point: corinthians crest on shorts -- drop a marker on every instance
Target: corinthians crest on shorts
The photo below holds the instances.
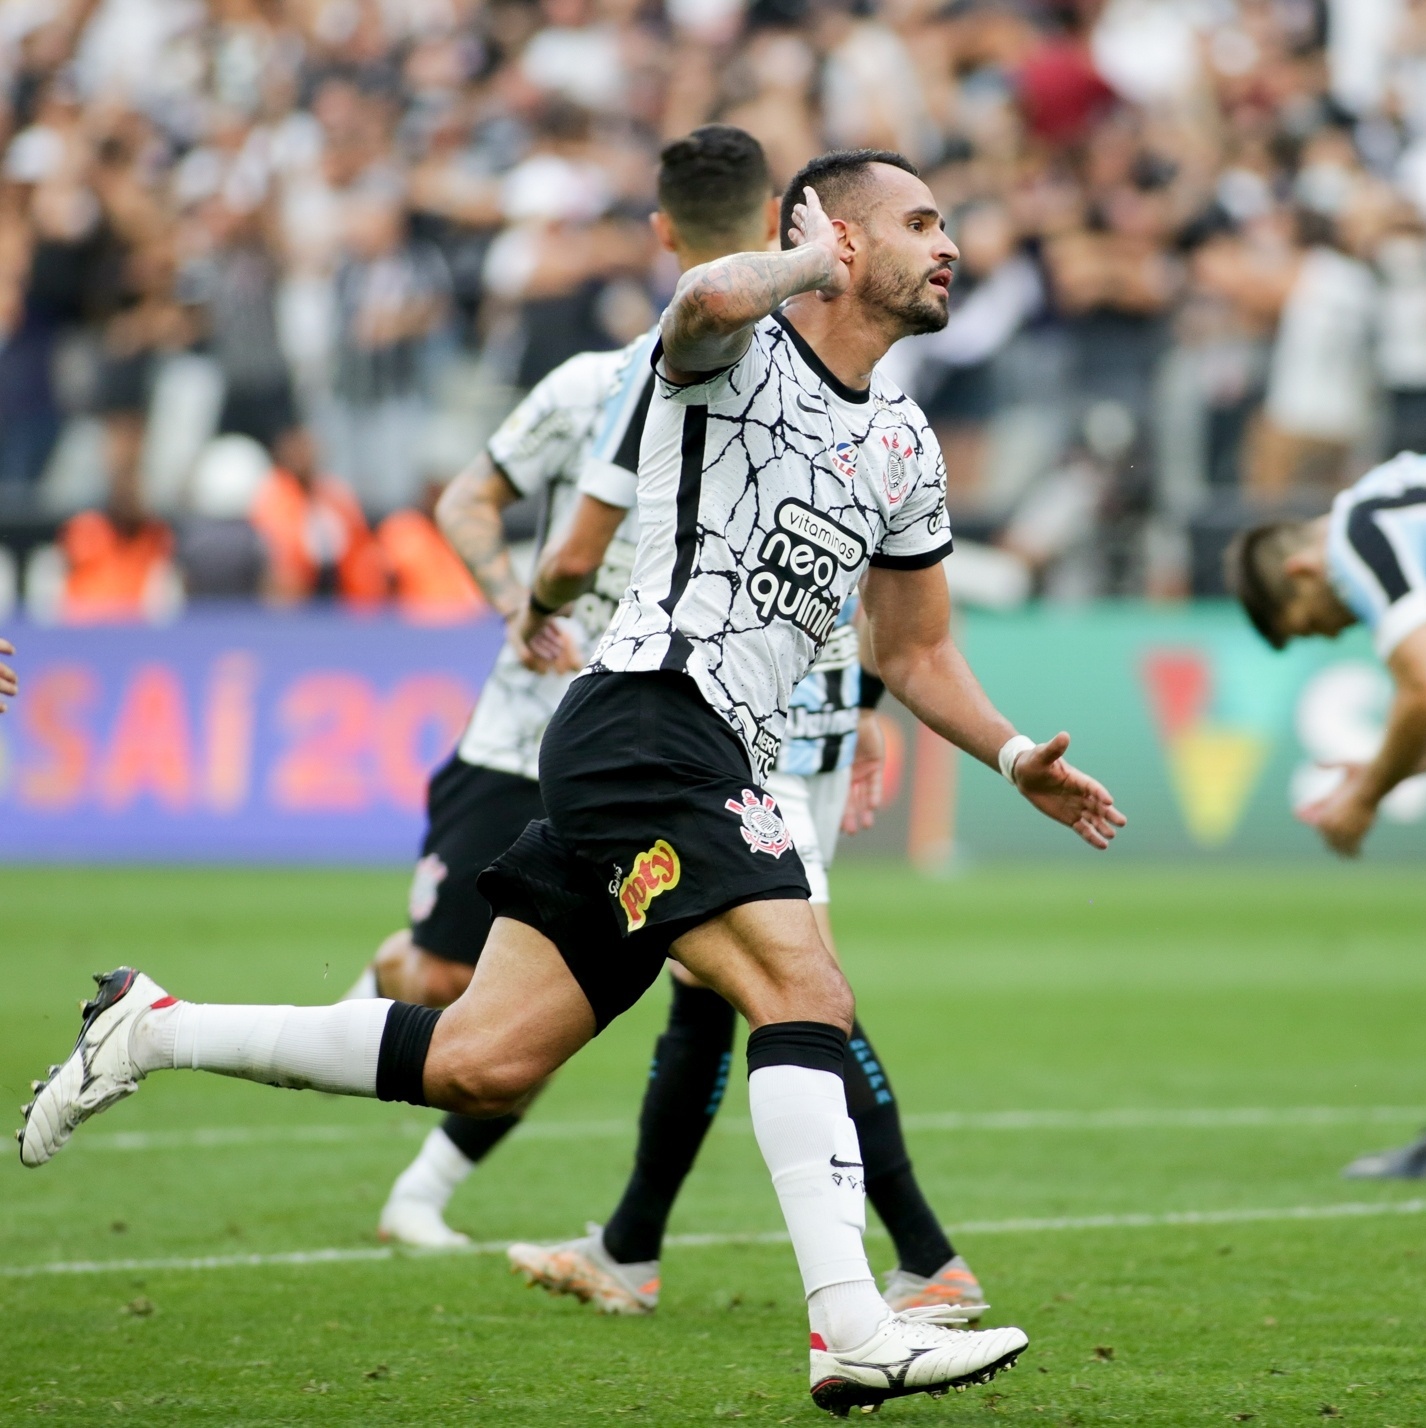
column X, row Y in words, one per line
column 763, row 829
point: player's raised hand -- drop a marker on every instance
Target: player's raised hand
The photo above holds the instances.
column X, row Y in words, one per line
column 9, row 681
column 1060, row 791
column 812, row 227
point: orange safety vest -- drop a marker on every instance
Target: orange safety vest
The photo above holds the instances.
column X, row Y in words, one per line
column 110, row 569
column 304, row 530
column 428, row 578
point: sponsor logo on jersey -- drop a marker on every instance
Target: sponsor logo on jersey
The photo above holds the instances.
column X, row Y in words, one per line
column 895, row 482
column 844, row 458
column 799, row 562
column 763, row 829
column 653, row 874
column 426, row 886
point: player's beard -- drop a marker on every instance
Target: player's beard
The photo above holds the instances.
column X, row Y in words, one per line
column 905, row 296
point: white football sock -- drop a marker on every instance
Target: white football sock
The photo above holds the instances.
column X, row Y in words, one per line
column 810, row 1146
column 435, row 1172
column 332, row 1048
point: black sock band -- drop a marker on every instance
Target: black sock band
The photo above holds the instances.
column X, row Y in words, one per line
column 474, row 1136
column 685, row 1088
column 817, row 1045
column 401, row 1062
column 891, row 1186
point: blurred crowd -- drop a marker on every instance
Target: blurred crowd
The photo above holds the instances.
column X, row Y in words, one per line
column 271, row 270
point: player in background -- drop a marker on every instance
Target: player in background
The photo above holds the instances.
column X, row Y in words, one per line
column 480, row 800
column 659, row 838
column 1364, row 562
column 714, row 199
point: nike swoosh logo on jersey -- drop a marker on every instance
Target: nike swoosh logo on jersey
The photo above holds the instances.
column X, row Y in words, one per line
column 846, row 1164
column 815, row 411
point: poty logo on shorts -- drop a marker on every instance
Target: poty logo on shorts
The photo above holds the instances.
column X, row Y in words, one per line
column 894, row 479
column 653, row 873
column 844, row 458
column 426, row 886
column 763, row 829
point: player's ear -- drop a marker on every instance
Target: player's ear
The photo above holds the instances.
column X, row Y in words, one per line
column 772, row 216
column 1301, row 562
column 664, row 230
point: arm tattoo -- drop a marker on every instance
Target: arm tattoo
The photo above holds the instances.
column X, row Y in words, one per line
column 706, row 325
column 469, row 519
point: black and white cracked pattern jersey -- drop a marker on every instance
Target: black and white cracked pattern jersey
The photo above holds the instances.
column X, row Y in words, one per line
column 543, row 448
column 764, row 492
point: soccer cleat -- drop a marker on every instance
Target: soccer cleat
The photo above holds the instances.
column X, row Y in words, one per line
column 409, row 1220
column 99, row 1072
column 1406, row 1163
column 952, row 1285
column 916, row 1351
column 584, row 1269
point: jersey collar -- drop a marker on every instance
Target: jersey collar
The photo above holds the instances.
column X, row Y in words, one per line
column 839, row 387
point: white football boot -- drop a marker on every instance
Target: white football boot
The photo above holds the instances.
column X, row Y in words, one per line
column 410, row 1220
column 584, row 1269
column 99, row 1073
column 917, row 1351
column 364, row 988
column 952, row 1285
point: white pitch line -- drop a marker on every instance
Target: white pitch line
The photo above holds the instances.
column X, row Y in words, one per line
column 1352, row 1210
column 1127, row 1118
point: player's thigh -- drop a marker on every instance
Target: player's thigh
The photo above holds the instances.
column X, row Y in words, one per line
column 521, row 1018
column 769, row 960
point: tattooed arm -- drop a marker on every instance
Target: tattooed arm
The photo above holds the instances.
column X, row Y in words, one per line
column 468, row 514
column 706, row 326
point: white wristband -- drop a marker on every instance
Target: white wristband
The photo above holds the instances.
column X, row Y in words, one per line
column 1011, row 750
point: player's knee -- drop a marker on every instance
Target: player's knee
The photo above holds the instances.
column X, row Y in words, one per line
column 495, row 1090
column 442, row 982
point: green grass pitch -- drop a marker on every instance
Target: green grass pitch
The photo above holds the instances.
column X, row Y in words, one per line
column 1263, row 1026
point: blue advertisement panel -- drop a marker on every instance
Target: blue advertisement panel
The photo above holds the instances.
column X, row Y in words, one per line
column 233, row 735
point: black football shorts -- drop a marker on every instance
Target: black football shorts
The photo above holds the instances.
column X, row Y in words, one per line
column 473, row 815
column 654, row 824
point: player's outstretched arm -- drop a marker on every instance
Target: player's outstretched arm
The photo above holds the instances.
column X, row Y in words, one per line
column 909, row 612
column 708, row 324
column 9, row 682
column 1346, row 815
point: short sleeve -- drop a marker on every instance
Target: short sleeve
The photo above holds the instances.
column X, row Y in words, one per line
column 919, row 532
column 713, row 388
column 541, row 436
column 1375, row 546
column 610, row 471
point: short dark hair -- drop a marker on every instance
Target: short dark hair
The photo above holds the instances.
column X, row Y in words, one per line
column 835, row 178
column 1254, row 570
column 713, row 181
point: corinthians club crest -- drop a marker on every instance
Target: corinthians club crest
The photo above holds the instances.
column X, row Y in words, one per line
column 894, row 478
column 763, row 829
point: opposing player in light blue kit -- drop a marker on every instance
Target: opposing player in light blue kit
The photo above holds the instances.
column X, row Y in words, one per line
column 1364, row 562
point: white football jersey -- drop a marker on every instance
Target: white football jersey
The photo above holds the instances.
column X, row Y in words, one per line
column 542, row 447
column 764, row 492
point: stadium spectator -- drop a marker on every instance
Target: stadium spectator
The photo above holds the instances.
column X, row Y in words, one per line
column 118, row 561
column 318, row 543
column 365, row 216
column 428, row 580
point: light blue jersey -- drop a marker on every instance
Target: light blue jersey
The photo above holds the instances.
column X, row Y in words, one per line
column 1376, row 549
column 821, row 732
